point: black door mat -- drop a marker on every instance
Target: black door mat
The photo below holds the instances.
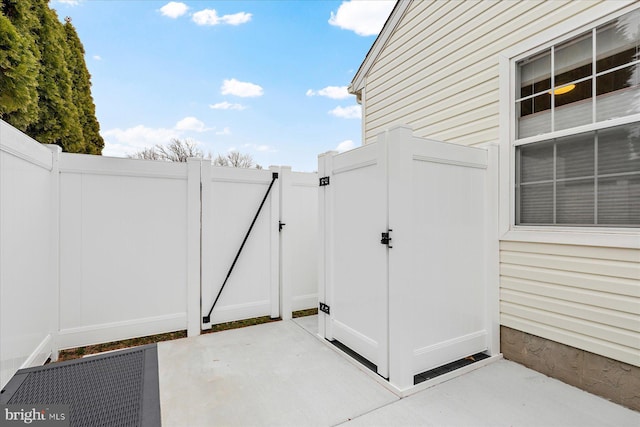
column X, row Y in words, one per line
column 114, row 389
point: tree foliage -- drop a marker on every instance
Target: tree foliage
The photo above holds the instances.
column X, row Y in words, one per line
column 44, row 82
column 19, row 64
column 81, row 94
column 58, row 121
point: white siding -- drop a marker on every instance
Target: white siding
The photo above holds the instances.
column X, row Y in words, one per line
column 438, row 72
column 586, row 297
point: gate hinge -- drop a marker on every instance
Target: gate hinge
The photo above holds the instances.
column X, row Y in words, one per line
column 324, row 181
column 324, row 308
column 386, row 238
column 281, row 225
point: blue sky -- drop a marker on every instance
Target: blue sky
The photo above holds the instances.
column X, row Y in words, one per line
column 266, row 78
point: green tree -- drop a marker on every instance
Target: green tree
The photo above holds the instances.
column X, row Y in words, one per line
column 81, row 91
column 58, row 120
column 19, row 63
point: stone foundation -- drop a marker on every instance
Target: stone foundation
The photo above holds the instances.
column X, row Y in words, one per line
column 613, row 380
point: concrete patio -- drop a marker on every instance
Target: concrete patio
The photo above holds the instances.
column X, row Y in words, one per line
column 282, row 374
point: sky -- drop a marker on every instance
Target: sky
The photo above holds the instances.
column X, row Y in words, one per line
column 267, row 78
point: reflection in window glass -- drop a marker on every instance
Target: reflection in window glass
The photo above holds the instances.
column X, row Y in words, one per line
column 618, row 93
column 617, row 42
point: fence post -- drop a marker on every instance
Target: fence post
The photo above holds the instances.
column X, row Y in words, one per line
column 401, row 280
column 194, row 254
column 54, row 226
column 274, row 217
column 492, row 249
column 325, row 243
column 286, row 290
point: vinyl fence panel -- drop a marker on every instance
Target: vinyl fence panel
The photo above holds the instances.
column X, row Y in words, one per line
column 123, row 248
column 28, row 258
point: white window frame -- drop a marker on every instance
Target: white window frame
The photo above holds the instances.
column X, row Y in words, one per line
column 509, row 231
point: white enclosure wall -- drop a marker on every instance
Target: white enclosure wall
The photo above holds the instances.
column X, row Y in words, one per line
column 28, row 259
column 123, row 248
column 430, row 297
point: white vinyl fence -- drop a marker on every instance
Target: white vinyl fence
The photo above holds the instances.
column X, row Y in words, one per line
column 408, row 271
column 28, row 239
column 96, row 249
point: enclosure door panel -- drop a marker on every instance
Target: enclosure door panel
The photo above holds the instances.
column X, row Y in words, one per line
column 359, row 283
column 448, row 260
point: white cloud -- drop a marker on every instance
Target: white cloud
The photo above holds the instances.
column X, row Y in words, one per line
column 345, row 146
column 333, row 92
column 237, row 18
column 225, row 131
column 227, row 106
column 365, row 18
column 351, row 112
column 261, row 148
column 97, row 57
column 69, row 2
column 122, row 142
column 191, row 124
column 242, row 89
column 211, row 17
column 174, row 9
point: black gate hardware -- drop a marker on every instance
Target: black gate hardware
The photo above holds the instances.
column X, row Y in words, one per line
column 207, row 318
column 281, row 225
column 324, row 181
column 324, row 308
column 386, row 238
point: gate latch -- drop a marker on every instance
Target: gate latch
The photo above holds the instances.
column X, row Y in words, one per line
column 386, row 239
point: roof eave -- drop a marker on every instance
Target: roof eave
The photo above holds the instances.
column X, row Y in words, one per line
column 357, row 84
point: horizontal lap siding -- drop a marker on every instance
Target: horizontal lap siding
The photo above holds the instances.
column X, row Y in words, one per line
column 439, row 70
column 586, row 297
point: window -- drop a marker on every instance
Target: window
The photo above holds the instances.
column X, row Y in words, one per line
column 581, row 178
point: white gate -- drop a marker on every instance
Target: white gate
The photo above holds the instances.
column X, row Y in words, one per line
column 354, row 215
column 230, row 201
column 422, row 298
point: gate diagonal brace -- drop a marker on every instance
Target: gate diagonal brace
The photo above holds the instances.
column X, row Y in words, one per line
column 207, row 318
